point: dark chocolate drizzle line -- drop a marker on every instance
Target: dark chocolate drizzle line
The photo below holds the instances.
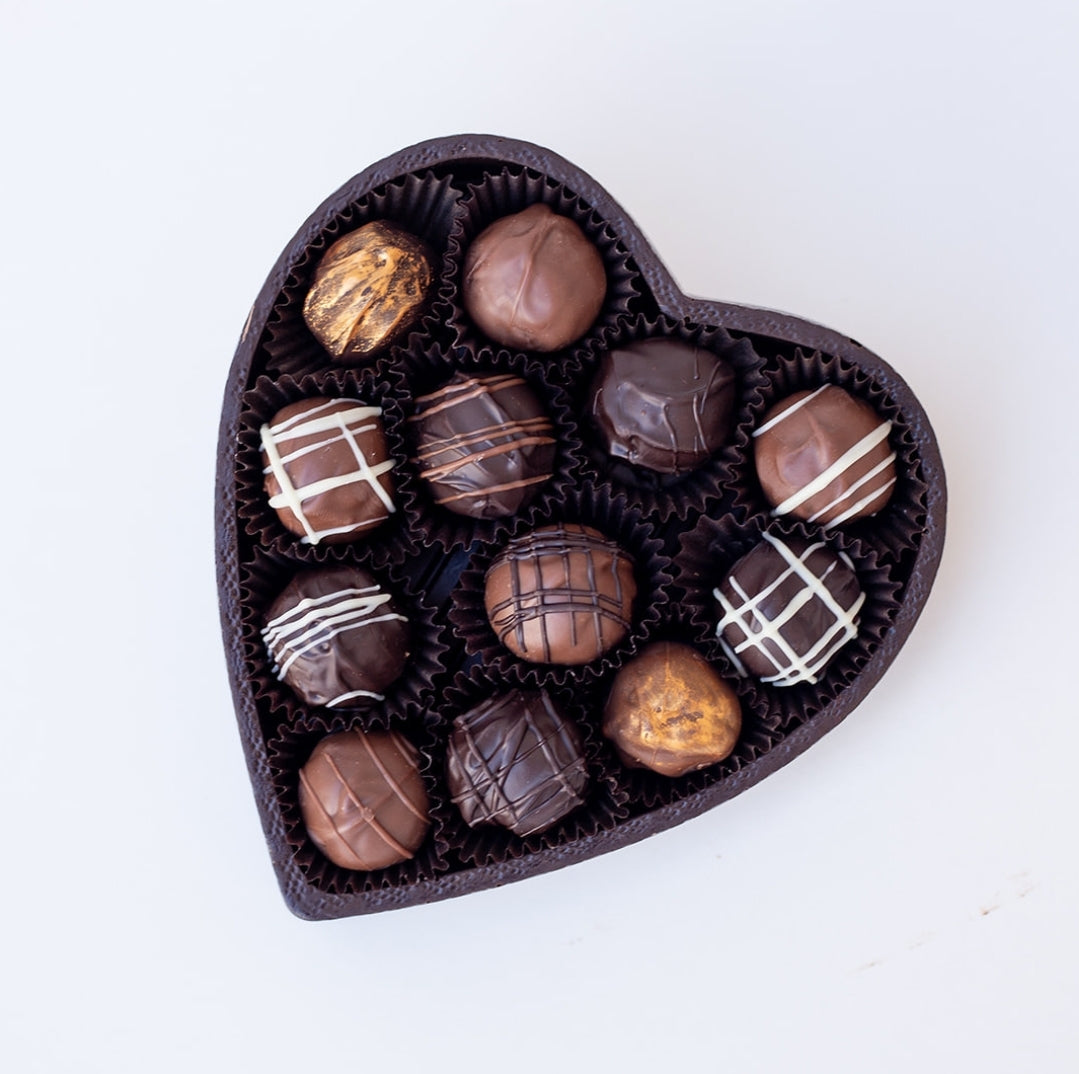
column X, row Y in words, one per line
column 489, row 784
column 533, row 547
column 559, row 772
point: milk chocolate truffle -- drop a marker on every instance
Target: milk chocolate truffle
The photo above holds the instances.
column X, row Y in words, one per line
column 663, row 404
column 786, row 609
column 670, row 712
column 369, row 289
column 336, row 637
column 327, row 470
column 824, row 456
column 516, row 760
column 362, row 799
column 483, row 444
column 562, row 594
column 534, row 280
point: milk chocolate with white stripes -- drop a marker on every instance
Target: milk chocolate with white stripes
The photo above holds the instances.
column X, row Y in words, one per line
column 824, row 456
column 327, row 469
column 483, row 444
column 363, row 800
column 336, row 637
column 517, row 761
column 786, row 608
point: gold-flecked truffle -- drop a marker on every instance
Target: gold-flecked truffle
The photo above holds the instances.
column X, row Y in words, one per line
column 669, row 711
column 369, row 289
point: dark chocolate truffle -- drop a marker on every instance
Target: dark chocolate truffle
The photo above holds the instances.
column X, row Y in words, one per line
column 669, row 711
column 327, row 469
column 534, row 280
column 369, row 289
column 516, row 760
column 824, row 456
column 786, row 608
column 562, row 594
column 336, row 637
column 483, row 444
column 363, row 800
column 663, row 404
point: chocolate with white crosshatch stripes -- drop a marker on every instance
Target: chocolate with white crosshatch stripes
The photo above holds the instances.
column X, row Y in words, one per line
column 786, row 608
column 327, row 469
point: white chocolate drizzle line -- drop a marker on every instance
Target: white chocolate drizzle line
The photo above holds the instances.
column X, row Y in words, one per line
column 791, row 667
column 327, row 616
column 864, row 502
column 840, row 466
column 341, row 698
column 310, row 423
column 789, row 411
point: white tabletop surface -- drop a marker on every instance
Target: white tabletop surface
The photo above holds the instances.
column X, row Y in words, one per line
column 901, row 897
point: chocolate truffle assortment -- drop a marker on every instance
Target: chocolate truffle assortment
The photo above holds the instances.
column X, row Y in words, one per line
column 523, row 562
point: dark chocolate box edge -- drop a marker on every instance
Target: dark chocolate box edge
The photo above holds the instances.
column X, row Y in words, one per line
column 309, row 903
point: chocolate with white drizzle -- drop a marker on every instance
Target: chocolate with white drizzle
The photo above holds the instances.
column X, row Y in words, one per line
column 327, row 469
column 336, row 637
column 823, row 456
column 484, row 444
column 786, row 608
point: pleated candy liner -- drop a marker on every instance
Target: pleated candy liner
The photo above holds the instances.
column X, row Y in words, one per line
column 512, row 190
column 422, row 204
column 604, row 806
column 896, row 530
column 263, row 579
column 426, row 370
column 676, row 496
column 289, row 751
column 377, row 386
column 612, row 515
column 713, row 546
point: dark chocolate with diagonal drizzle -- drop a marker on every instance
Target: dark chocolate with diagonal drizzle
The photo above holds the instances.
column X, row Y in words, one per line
column 483, row 444
column 517, row 761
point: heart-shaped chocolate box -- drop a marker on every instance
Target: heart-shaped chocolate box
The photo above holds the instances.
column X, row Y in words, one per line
column 682, row 533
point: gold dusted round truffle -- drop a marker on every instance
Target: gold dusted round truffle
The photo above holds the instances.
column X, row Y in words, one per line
column 369, row 289
column 669, row 711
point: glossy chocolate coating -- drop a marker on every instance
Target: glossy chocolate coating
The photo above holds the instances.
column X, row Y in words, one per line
column 562, row 594
column 336, row 637
column 327, row 470
column 669, row 711
column 517, row 761
column 369, row 289
column 534, row 280
column 663, row 404
column 824, row 456
column 786, row 608
column 362, row 799
column 483, row 444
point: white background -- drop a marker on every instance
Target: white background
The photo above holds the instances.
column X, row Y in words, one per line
column 902, row 897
